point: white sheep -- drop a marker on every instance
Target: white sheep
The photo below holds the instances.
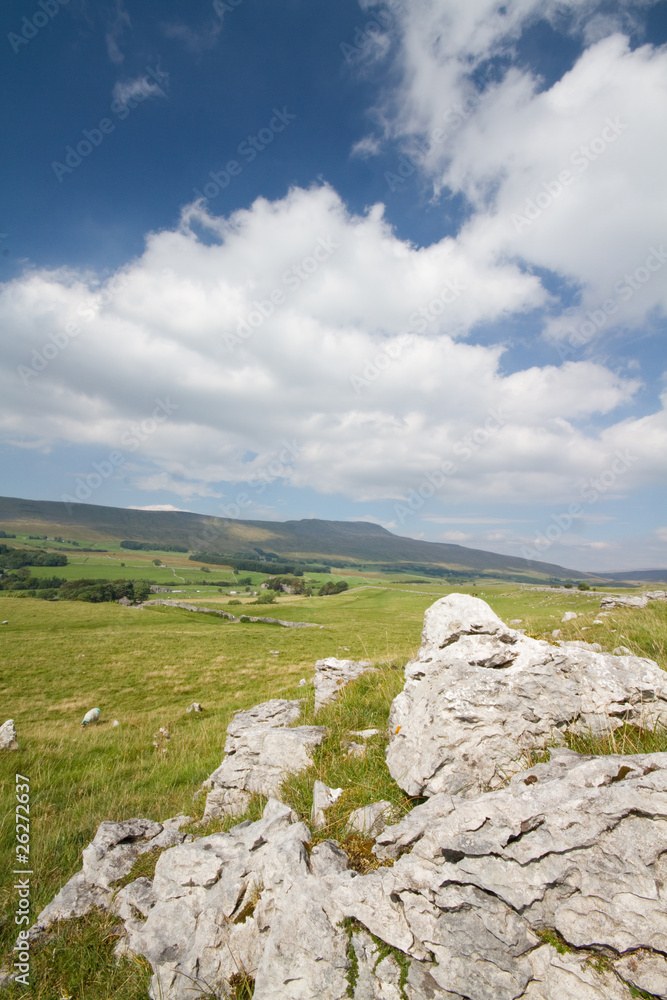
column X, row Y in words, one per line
column 91, row 716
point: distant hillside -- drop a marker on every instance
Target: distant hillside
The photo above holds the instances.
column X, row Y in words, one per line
column 640, row 576
column 356, row 541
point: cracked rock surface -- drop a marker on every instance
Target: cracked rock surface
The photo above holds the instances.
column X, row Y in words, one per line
column 333, row 674
column 551, row 887
column 576, row 847
column 632, row 600
column 261, row 750
column 479, row 694
column 110, row 856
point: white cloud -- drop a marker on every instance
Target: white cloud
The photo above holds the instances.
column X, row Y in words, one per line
column 283, row 403
column 138, row 89
column 366, row 147
column 159, row 506
column 506, row 148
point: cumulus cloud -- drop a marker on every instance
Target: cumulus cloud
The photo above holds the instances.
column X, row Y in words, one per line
column 296, row 342
column 567, row 178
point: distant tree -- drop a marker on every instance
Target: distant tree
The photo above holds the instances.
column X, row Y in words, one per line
column 333, row 588
column 267, row 598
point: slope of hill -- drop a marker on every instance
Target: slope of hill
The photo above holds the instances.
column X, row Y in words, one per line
column 357, row 541
column 640, row 576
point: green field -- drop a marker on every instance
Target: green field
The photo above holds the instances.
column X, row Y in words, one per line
column 144, row 667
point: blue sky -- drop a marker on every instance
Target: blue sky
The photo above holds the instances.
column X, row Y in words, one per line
column 389, row 261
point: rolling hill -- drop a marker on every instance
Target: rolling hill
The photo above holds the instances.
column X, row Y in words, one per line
column 359, row 542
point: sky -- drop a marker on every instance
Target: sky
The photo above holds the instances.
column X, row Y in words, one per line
column 399, row 261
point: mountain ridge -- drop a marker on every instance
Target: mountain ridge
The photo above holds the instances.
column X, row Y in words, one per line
column 361, row 541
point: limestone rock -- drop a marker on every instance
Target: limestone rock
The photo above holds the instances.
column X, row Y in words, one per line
column 569, row 616
column 194, row 707
column 371, row 820
column 109, row 857
column 323, row 798
column 332, row 674
column 581, row 644
column 114, row 849
column 644, row 971
column 327, row 858
column 260, row 752
column 8, row 739
column 632, row 600
column 479, row 695
column 577, row 844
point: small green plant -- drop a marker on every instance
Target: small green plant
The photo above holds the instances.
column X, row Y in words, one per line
column 353, row 969
column 384, row 950
column 636, row 992
column 552, row 937
column 242, row 986
column 600, row 963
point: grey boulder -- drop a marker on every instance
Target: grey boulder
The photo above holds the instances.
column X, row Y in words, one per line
column 261, row 750
column 479, row 696
column 109, row 857
column 632, row 600
column 8, row 740
column 577, row 845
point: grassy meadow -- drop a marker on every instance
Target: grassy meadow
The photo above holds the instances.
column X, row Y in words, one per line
column 144, row 667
